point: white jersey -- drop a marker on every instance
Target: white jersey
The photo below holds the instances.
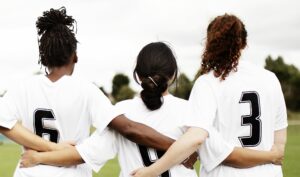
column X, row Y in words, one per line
column 168, row 120
column 58, row 111
column 245, row 109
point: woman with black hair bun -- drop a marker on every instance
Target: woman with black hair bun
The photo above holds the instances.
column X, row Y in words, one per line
column 59, row 107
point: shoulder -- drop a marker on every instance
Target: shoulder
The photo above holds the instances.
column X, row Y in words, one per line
column 131, row 105
column 206, row 81
column 175, row 101
column 21, row 85
column 128, row 103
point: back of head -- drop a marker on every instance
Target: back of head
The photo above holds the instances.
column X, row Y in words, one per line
column 226, row 37
column 57, row 40
column 156, row 67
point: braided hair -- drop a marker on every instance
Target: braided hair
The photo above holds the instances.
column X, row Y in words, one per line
column 57, row 40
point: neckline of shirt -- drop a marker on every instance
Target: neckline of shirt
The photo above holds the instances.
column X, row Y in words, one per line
column 50, row 83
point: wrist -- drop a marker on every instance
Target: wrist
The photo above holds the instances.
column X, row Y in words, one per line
column 273, row 156
column 53, row 147
column 37, row 158
column 155, row 170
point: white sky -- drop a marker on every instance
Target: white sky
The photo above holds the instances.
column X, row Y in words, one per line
column 112, row 32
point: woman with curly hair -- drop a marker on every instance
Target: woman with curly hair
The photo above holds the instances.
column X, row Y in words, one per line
column 243, row 102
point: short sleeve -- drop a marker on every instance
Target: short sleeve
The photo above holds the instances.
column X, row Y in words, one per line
column 9, row 114
column 214, row 150
column 281, row 112
column 98, row 149
column 203, row 105
column 102, row 112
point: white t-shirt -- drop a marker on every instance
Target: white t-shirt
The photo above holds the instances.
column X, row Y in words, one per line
column 58, row 111
column 245, row 109
column 169, row 120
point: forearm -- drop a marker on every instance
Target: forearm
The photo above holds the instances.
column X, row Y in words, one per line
column 147, row 136
column 65, row 157
column 24, row 137
column 280, row 137
column 245, row 158
column 140, row 133
column 181, row 149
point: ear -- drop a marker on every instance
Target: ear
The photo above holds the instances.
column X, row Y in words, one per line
column 75, row 58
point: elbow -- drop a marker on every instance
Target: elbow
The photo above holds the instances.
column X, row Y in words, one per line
column 200, row 136
column 231, row 160
column 236, row 160
column 130, row 132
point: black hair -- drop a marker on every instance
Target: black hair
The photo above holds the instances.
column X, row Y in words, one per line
column 156, row 65
column 57, row 40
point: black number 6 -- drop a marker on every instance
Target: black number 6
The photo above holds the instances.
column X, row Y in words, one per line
column 144, row 151
column 39, row 116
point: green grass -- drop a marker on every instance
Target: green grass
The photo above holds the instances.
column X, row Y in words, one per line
column 9, row 154
column 293, row 115
column 291, row 166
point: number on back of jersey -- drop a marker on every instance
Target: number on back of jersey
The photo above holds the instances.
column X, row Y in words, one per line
column 40, row 116
column 252, row 120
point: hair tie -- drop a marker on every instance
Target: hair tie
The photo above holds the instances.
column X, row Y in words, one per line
column 153, row 81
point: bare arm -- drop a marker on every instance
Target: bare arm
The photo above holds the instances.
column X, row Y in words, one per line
column 140, row 133
column 280, row 137
column 245, row 158
column 182, row 148
column 66, row 157
column 24, row 137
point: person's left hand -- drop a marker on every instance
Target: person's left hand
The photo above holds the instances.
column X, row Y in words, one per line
column 29, row 159
column 143, row 172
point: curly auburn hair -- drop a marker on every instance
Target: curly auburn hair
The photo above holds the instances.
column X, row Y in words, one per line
column 226, row 37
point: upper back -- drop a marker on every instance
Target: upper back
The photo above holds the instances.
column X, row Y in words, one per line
column 63, row 106
column 248, row 103
column 168, row 120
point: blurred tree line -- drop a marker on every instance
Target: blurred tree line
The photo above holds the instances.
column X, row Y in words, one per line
column 288, row 75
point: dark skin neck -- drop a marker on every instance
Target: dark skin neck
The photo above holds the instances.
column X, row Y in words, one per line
column 58, row 72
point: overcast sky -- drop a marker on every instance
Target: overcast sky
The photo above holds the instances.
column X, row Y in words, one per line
column 112, row 32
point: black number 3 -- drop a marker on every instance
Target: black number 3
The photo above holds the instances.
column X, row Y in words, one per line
column 39, row 116
column 252, row 120
column 148, row 161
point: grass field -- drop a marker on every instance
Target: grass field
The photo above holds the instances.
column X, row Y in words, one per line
column 9, row 154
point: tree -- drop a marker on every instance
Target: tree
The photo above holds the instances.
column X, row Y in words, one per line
column 198, row 74
column 119, row 80
column 289, row 77
column 120, row 88
column 124, row 93
column 183, row 87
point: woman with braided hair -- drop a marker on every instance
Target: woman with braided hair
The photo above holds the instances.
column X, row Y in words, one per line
column 243, row 102
column 59, row 107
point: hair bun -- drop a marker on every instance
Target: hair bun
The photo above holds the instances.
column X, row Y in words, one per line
column 153, row 88
column 54, row 18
